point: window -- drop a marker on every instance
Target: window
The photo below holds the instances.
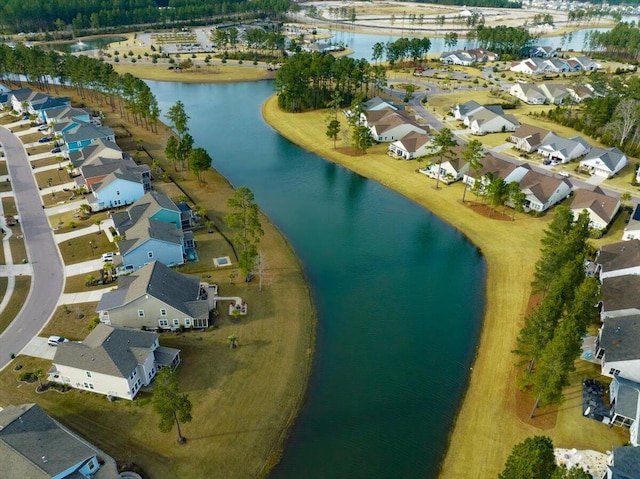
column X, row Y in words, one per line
column 187, row 321
column 92, row 465
column 88, row 374
column 141, row 313
column 614, row 372
column 163, row 312
column 176, row 322
column 163, row 323
column 150, row 254
column 117, row 192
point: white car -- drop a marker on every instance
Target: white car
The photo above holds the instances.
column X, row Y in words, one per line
column 108, row 256
column 43, row 127
column 55, row 340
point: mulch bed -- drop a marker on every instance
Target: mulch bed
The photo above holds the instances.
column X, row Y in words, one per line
column 488, row 212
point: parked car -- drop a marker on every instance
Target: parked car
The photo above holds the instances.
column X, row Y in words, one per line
column 55, row 340
column 565, row 174
column 43, row 127
column 44, row 139
column 57, row 149
column 108, row 256
column 546, row 162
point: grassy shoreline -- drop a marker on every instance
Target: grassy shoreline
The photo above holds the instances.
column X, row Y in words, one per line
column 479, row 443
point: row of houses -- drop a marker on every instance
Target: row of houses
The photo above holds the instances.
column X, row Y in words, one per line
column 484, row 119
column 468, row 57
column 605, row 162
column 540, row 66
column 550, row 93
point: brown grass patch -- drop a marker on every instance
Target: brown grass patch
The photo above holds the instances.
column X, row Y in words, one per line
column 71, row 322
column 19, row 296
column 228, row 73
column 84, row 248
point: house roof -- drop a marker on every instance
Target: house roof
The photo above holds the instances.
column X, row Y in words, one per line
column 147, row 229
column 86, row 131
column 555, row 143
column 626, row 462
column 66, row 113
column 413, row 140
column 109, row 350
column 634, row 222
column 377, row 101
column 133, row 175
column 531, row 90
column 621, row 255
column 595, row 200
column 627, row 397
column 147, row 206
column 621, row 292
column 620, row 338
column 33, row 445
column 180, row 291
column 498, row 167
column 468, row 107
column 611, row 157
column 389, row 119
column 539, row 185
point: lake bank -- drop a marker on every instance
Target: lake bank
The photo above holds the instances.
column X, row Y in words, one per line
column 479, row 444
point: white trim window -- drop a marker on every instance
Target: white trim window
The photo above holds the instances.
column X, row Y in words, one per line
column 141, row 313
column 150, row 254
column 163, row 312
column 187, row 322
column 176, row 322
column 163, row 323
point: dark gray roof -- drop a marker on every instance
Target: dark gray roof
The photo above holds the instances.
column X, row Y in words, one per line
column 627, row 397
column 468, row 107
column 611, row 157
column 147, row 229
column 626, row 463
column 621, row 292
column 621, row 255
column 180, row 291
column 150, row 203
column 108, row 350
column 36, row 446
column 86, row 131
column 620, row 338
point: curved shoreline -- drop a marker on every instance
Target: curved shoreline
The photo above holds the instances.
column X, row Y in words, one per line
column 478, row 443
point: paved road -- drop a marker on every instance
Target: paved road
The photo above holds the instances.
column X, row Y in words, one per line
column 48, row 272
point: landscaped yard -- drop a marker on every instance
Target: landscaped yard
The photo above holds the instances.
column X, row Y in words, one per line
column 71, row 321
column 48, row 178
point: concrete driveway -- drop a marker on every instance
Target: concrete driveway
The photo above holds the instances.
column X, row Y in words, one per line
column 38, row 348
column 44, row 257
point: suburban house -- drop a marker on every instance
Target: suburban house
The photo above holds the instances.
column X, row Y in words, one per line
column 65, row 115
column 493, row 167
column 482, row 120
column 580, row 93
column 83, row 134
column 624, row 463
column 153, row 230
column 390, row 125
column 25, row 100
column 537, row 66
column 528, row 138
column 586, row 64
column 468, row 57
column 618, row 346
column 604, row 162
column 34, row 446
column 450, row 171
column 620, row 296
column 113, row 361
column 542, row 191
column 563, row 150
column 411, row 146
column 619, row 259
column 528, row 93
column 554, row 92
column 632, row 230
column 600, row 207
column 99, row 149
column 378, row 103
column 460, row 112
column 124, row 184
column 156, row 297
column 187, row 219
column 624, row 395
column 542, row 52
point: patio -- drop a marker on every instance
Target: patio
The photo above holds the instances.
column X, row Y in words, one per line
column 594, row 395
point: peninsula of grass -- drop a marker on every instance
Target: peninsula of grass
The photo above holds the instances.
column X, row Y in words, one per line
column 488, row 424
column 244, row 400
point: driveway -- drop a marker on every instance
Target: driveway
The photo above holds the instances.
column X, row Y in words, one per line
column 48, row 273
column 38, row 348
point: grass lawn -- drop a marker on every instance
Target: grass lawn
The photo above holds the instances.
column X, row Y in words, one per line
column 3, row 168
column 5, row 186
column 32, row 137
column 228, row 73
column 19, row 296
column 51, row 160
column 65, row 222
column 58, row 196
column 71, row 321
column 47, row 178
column 84, row 248
column 17, row 245
column 41, row 148
column 235, row 431
column 479, row 443
column 77, row 284
column 9, row 206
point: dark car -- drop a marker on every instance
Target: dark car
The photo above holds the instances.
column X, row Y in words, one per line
column 57, row 149
column 546, row 162
column 44, row 139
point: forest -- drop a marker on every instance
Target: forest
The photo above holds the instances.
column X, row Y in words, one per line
column 90, row 77
column 51, row 15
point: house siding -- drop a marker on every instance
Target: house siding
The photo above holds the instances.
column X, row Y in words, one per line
column 169, row 254
column 127, row 315
column 102, row 383
column 108, row 197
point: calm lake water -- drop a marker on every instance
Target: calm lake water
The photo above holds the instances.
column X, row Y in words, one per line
column 82, row 45
column 399, row 294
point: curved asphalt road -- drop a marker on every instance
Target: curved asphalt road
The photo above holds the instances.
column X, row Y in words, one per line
column 48, row 271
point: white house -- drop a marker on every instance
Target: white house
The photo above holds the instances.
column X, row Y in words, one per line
column 554, row 92
column 493, row 167
column 468, row 57
column 449, row 171
column 389, row 125
column 618, row 347
column 620, row 296
column 528, row 93
column 490, row 119
column 119, row 188
column 412, row 145
column 604, row 162
column 543, row 191
column 528, row 138
column 460, row 112
column 35, row 446
column 378, row 103
column 112, row 361
column 563, row 150
column 600, row 207
column 619, row 259
column 632, row 230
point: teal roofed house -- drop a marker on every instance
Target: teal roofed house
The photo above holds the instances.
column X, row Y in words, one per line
column 84, row 134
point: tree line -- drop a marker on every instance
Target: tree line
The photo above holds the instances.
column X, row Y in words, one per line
column 309, row 80
column 622, row 41
column 47, row 15
column 46, row 69
column 612, row 115
column 512, row 41
column 401, row 50
column 551, row 338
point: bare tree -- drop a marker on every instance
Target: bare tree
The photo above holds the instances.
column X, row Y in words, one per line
column 626, row 116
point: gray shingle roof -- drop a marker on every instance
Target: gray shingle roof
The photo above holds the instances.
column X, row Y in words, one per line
column 621, row 292
column 35, row 445
column 621, row 255
column 108, row 350
column 86, row 131
column 610, row 157
column 180, row 291
column 147, row 206
column 620, row 338
column 626, row 462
